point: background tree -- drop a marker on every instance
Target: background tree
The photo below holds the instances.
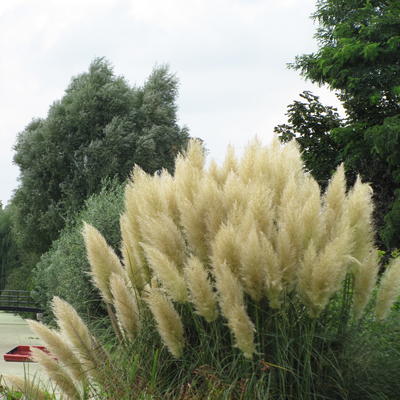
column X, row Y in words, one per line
column 100, row 128
column 310, row 123
column 359, row 58
column 8, row 249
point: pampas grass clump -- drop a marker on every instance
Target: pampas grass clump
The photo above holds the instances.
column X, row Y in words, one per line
column 252, row 248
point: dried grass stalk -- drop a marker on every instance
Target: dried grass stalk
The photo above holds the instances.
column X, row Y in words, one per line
column 169, row 323
column 58, row 346
column 389, row 289
column 126, row 307
column 57, row 374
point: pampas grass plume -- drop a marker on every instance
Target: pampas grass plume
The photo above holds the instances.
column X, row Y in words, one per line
column 201, row 292
column 194, row 224
column 163, row 234
column 60, row 348
column 389, row 289
column 365, row 274
column 252, row 264
column 56, row 373
column 273, row 280
column 125, row 305
column 167, row 273
column 225, row 248
column 103, row 260
column 129, row 248
column 322, row 274
column 169, row 324
column 229, row 289
column 188, row 170
column 90, row 353
column 242, row 329
column 360, row 208
column 334, row 202
column 194, row 154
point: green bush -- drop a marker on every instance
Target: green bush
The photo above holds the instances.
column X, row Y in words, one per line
column 62, row 271
column 371, row 363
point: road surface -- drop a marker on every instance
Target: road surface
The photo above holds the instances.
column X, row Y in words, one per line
column 15, row 331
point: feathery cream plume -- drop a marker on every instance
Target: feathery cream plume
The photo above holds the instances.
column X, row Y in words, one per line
column 225, row 248
column 134, row 270
column 125, row 305
column 143, row 195
column 287, row 257
column 89, row 351
column 210, row 206
column 278, row 164
column 334, row 203
column 248, row 166
column 322, row 274
column 311, row 224
column 229, row 289
column 195, row 154
column 202, row 218
column 167, row 189
column 360, row 209
column 26, row 386
column 230, row 296
column 60, row 349
column 235, row 198
column 290, row 221
column 252, row 264
column 365, row 274
column 188, row 171
column 389, row 289
column 103, row 260
column 167, row 273
column 169, row 324
column 305, row 287
column 131, row 227
column 260, row 208
column 274, row 276
column 162, row 233
column 195, row 228
column 242, row 329
column 230, row 163
column 215, row 174
column 56, row 373
column 219, row 175
column 201, row 292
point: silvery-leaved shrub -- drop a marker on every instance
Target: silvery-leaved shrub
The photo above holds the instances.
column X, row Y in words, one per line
column 244, row 267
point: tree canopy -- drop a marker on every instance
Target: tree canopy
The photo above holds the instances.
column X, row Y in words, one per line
column 310, row 123
column 8, row 250
column 100, row 128
column 358, row 57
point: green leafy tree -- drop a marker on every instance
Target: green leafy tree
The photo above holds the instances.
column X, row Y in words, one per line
column 358, row 57
column 310, row 123
column 100, row 128
column 9, row 260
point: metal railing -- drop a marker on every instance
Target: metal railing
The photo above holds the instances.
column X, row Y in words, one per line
column 17, row 300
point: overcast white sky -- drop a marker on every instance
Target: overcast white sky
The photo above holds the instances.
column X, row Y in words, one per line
column 229, row 55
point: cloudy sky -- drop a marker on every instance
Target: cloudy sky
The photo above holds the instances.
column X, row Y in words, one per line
column 229, row 55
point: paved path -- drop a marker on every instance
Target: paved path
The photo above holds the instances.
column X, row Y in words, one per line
column 14, row 331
